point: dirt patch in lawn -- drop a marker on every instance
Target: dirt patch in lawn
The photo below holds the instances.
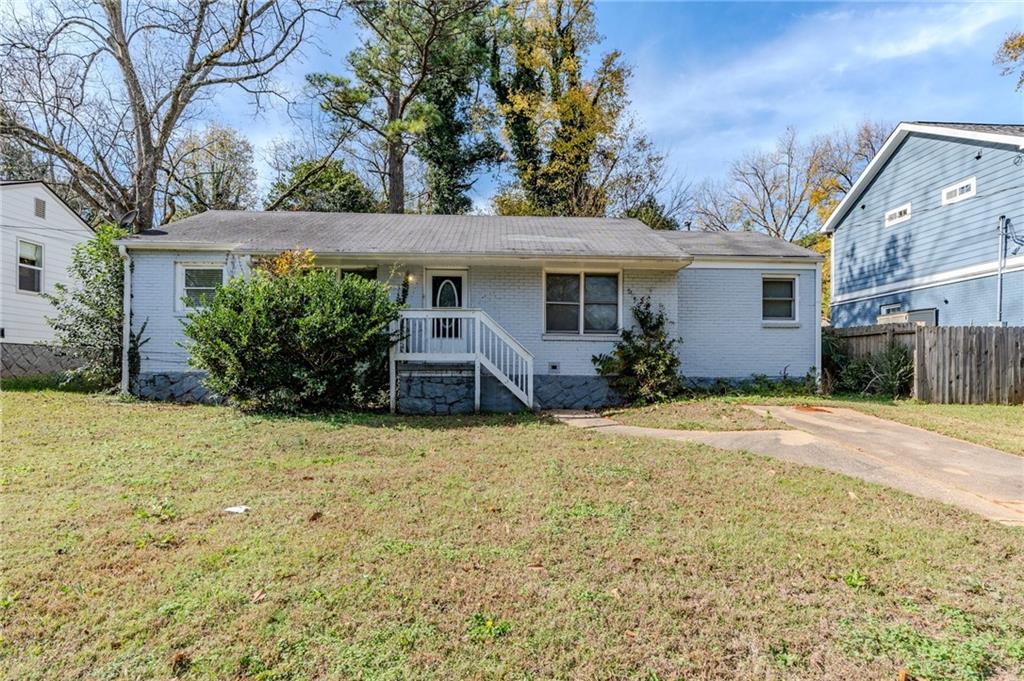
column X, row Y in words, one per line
column 698, row 414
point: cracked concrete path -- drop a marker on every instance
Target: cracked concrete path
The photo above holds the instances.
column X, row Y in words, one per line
column 979, row 479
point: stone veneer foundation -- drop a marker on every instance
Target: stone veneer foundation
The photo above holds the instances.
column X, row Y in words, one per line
column 20, row 360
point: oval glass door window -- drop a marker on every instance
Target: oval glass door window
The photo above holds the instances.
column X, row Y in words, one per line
column 447, row 294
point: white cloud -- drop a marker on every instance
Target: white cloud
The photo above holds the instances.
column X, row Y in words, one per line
column 830, row 69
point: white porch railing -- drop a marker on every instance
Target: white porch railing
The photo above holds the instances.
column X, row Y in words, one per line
column 461, row 335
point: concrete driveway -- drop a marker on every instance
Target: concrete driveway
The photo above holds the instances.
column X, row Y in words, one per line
column 926, row 464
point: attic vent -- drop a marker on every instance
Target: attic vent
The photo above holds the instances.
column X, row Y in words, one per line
column 964, row 189
column 40, row 209
column 897, row 215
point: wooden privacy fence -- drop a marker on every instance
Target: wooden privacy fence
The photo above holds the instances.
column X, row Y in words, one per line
column 969, row 365
column 952, row 364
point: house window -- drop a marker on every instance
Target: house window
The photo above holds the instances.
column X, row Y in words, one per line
column 368, row 273
column 197, row 284
column 897, row 215
column 964, row 189
column 891, row 308
column 40, row 208
column 585, row 302
column 30, row 267
column 778, row 299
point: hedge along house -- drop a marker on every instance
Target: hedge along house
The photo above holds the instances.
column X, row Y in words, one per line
column 501, row 313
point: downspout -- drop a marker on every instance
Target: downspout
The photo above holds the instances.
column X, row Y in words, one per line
column 126, row 322
column 1001, row 266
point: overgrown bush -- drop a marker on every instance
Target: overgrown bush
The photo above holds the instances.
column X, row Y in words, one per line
column 295, row 341
column 889, row 373
column 88, row 313
column 643, row 367
column 761, row 385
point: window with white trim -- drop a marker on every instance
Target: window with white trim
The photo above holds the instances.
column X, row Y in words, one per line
column 891, row 308
column 197, row 284
column 964, row 189
column 30, row 267
column 368, row 273
column 897, row 215
column 581, row 303
column 778, row 299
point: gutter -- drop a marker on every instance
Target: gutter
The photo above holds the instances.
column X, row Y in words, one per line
column 126, row 322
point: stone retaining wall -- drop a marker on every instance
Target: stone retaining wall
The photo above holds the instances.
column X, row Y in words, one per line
column 435, row 391
column 174, row 386
column 20, row 360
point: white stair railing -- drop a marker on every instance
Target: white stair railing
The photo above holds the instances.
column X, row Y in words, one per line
column 461, row 335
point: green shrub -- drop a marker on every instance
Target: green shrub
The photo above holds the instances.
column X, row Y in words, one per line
column 889, row 373
column 300, row 341
column 643, row 367
column 88, row 313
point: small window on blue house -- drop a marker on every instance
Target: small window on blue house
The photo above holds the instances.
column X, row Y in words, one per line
column 891, row 308
column 964, row 189
column 897, row 215
column 778, row 299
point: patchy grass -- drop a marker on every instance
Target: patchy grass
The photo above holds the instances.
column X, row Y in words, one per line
column 992, row 425
column 997, row 426
column 710, row 413
column 488, row 547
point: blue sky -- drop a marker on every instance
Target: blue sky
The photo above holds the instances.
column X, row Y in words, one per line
column 713, row 80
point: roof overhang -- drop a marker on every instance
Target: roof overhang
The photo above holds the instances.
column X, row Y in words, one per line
column 430, row 259
column 889, row 148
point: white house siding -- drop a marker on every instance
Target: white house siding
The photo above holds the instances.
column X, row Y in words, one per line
column 514, row 297
column 23, row 315
column 716, row 313
column 720, row 325
column 154, row 304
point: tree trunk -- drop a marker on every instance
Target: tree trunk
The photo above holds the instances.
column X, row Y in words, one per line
column 396, row 178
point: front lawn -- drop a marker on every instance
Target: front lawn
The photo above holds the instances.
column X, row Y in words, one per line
column 488, row 547
column 696, row 414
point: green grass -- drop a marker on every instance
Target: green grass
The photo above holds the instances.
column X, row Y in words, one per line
column 997, row 426
column 490, row 547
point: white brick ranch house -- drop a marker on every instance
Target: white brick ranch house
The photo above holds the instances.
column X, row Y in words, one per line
column 501, row 313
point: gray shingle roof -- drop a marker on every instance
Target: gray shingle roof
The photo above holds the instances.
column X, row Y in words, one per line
column 368, row 234
column 994, row 128
column 738, row 244
column 416, row 235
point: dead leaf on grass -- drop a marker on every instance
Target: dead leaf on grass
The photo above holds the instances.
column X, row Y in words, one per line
column 317, row 515
column 259, row 596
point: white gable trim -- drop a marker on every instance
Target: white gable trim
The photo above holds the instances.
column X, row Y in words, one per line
column 889, row 148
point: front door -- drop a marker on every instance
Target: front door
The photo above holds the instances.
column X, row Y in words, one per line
column 447, row 289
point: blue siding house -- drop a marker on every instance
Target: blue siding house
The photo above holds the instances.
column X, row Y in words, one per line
column 933, row 229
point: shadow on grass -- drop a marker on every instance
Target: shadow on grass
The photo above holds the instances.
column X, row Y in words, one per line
column 52, row 382
column 400, row 421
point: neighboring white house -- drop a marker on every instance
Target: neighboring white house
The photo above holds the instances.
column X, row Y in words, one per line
column 502, row 312
column 37, row 232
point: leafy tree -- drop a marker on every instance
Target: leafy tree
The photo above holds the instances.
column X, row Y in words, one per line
column 326, row 187
column 839, row 160
column 568, row 132
column 652, row 213
column 87, row 322
column 821, row 243
column 643, row 367
column 293, row 341
column 456, row 141
column 397, row 57
column 1011, row 56
column 211, row 170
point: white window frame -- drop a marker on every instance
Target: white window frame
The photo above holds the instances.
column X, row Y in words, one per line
column 778, row 321
column 581, row 333
column 891, row 215
column 891, row 308
column 39, row 268
column 956, row 187
column 179, row 281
